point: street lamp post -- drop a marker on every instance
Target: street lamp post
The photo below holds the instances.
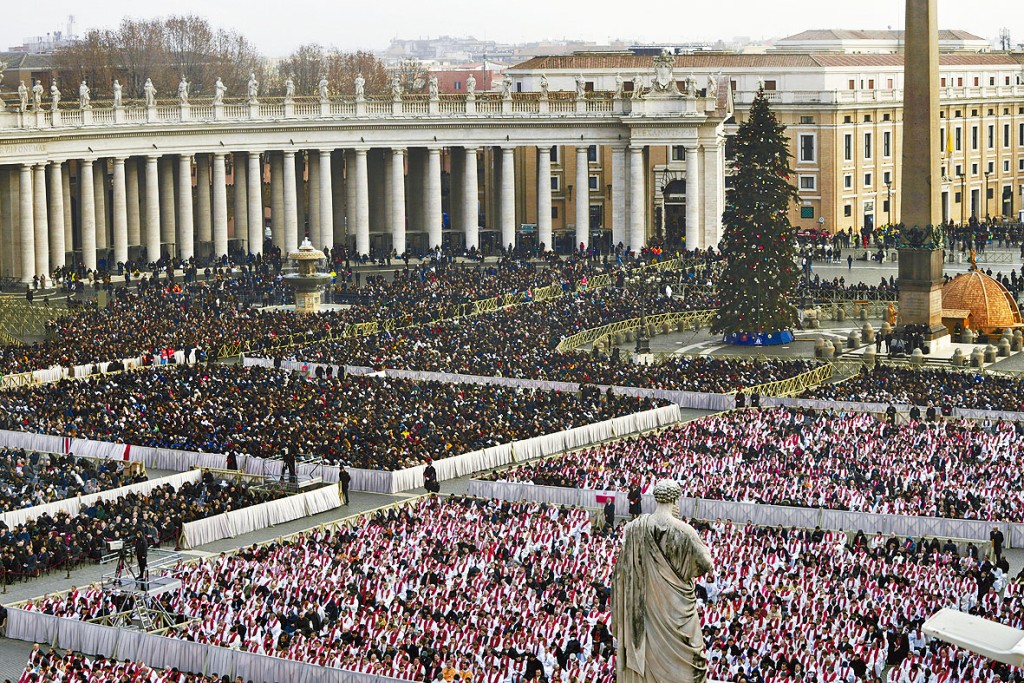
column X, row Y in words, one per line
column 987, row 174
column 963, row 198
column 888, row 200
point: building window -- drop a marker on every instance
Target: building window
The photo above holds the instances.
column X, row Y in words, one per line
column 806, row 147
column 678, row 153
column 867, row 145
column 960, row 82
column 806, row 212
column 457, row 85
column 871, row 84
column 974, row 169
column 957, row 198
column 848, row 147
column 848, row 210
column 887, row 144
column 554, row 154
column 885, row 205
column 593, row 182
column 977, row 82
column 592, row 153
column 889, row 85
column 806, row 120
column 867, row 118
column 974, row 137
column 848, row 181
column 991, row 137
column 991, row 167
column 1020, row 165
column 847, row 119
column 554, row 212
column 959, row 170
column 1006, row 166
column 887, row 178
column 943, row 83
column 769, row 85
column 556, row 185
column 887, row 117
column 958, row 142
column 867, row 180
column 1020, row 135
column 852, row 85
column 808, row 182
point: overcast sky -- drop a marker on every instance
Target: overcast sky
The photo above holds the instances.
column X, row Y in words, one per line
column 277, row 27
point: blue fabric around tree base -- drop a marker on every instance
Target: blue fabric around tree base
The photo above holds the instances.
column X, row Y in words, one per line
column 758, row 339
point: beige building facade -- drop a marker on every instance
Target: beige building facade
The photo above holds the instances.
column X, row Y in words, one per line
column 843, row 112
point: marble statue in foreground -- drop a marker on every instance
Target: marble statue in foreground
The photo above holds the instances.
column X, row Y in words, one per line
column 654, row 608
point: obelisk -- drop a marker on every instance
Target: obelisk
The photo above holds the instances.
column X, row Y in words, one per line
column 920, row 266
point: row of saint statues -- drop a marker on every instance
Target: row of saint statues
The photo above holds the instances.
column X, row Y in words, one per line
column 32, row 99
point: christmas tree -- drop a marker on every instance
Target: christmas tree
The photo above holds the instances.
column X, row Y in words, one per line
column 758, row 244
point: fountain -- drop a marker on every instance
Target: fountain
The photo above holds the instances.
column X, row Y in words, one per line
column 307, row 282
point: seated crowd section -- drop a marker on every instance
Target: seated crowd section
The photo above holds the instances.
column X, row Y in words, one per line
column 927, row 387
column 366, row 422
column 29, row 478
column 49, row 540
column 855, row 462
column 157, row 315
column 520, row 342
column 492, row 591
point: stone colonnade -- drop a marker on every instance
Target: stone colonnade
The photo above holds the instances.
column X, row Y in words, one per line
column 105, row 210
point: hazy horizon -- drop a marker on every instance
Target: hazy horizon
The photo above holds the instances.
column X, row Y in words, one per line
column 277, row 30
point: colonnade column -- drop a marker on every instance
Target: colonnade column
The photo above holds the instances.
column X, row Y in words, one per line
column 582, row 197
column 99, row 188
column 508, row 197
column 291, row 217
column 432, row 203
column 471, row 199
column 204, row 211
column 26, row 225
column 713, row 190
column 186, row 227
column 167, row 219
column 87, row 213
column 398, row 200
column 40, row 222
column 362, row 212
column 220, row 206
column 619, row 234
column 544, row 197
column 131, row 172
column 694, row 238
column 152, row 209
column 315, row 190
column 254, row 203
column 636, row 198
column 69, row 221
column 350, row 196
column 241, row 200
column 326, row 201
column 56, row 214
column 119, row 211
column 277, row 200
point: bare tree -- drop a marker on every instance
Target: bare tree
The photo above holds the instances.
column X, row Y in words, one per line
column 412, row 75
column 163, row 50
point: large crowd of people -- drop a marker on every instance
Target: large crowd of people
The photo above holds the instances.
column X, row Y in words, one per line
column 50, row 540
column 28, row 478
column 208, row 313
column 528, row 586
column 367, row 422
column 520, row 342
column 855, row 462
column 928, row 388
column 51, row 666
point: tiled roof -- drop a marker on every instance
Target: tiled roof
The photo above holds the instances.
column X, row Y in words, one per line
column 780, row 60
column 843, row 34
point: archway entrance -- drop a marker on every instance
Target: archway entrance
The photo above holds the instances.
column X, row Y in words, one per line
column 675, row 212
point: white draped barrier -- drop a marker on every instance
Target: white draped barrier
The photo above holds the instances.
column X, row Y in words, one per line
column 763, row 515
column 73, row 506
column 161, row 652
column 518, row 451
column 262, row 516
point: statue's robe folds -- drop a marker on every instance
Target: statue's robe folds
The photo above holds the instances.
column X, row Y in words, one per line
column 654, row 608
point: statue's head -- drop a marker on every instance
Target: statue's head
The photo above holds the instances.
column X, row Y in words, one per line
column 667, row 491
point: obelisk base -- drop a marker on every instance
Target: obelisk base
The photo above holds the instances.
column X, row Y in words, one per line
column 920, row 285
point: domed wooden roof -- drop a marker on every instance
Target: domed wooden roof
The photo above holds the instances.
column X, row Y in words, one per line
column 991, row 305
